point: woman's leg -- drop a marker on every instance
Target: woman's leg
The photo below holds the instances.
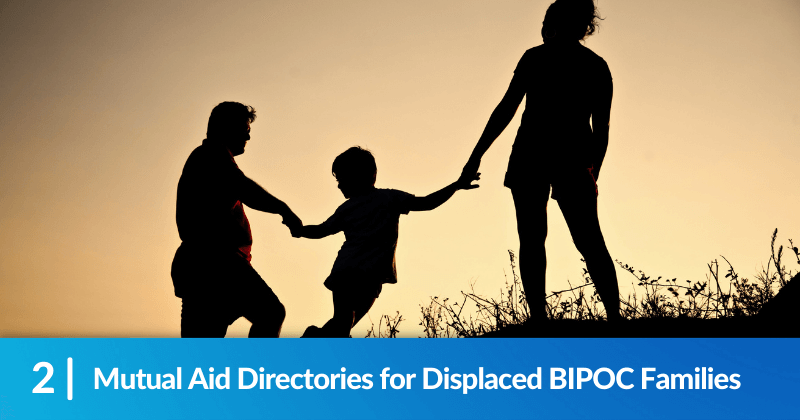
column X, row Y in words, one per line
column 531, row 208
column 579, row 205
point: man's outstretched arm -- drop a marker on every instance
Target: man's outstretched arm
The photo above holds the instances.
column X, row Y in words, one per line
column 256, row 197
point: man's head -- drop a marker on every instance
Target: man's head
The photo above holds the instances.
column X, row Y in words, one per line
column 355, row 170
column 230, row 123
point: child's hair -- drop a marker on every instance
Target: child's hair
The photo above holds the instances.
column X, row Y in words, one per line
column 355, row 164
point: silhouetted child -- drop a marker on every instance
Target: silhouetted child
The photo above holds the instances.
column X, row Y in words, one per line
column 369, row 219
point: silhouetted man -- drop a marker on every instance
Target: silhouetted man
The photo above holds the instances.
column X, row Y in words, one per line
column 211, row 271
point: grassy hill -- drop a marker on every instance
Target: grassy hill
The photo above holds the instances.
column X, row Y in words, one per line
column 721, row 306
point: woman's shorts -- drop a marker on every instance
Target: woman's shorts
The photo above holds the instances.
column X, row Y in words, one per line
column 565, row 183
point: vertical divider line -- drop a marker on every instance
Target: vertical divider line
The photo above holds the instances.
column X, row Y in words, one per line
column 69, row 378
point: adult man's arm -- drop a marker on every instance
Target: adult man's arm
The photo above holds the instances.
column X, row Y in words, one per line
column 256, row 197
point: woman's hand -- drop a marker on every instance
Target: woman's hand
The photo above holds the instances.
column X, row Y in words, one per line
column 464, row 182
column 470, row 171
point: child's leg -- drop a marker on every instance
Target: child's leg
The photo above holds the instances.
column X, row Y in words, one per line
column 365, row 304
column 349, row 306
column 343, row 317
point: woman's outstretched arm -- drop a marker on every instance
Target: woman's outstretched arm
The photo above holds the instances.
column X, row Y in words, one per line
column 498, row 122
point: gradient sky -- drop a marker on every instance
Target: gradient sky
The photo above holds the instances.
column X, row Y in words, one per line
column 102, row 102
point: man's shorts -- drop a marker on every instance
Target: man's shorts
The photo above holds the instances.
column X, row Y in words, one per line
column 220, row 288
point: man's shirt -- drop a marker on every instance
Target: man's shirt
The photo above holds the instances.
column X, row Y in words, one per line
column 209, row 212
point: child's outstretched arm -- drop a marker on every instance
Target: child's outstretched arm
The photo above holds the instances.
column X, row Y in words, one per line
column 329, row 227
column 433, row 200
column 314, row 231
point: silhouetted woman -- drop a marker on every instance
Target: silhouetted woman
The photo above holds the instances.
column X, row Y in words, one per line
column 566, row 84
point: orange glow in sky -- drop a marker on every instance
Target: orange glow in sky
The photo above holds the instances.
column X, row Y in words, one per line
column 101, row 104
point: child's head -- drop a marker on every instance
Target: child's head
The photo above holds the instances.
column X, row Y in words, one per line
column 355, row 170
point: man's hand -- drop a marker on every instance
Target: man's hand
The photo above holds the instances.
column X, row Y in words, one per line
column 293, row 223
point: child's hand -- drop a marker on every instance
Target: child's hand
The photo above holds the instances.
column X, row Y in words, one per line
column 465, row 181
column 297, row 231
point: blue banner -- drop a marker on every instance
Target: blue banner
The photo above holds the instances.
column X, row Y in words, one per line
column 399, row 378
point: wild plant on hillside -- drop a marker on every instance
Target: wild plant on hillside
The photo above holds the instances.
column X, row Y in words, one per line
column 727, row 297
column 387, row 327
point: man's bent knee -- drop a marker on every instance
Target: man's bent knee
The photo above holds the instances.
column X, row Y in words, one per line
column 266, row 313
column 279, row 312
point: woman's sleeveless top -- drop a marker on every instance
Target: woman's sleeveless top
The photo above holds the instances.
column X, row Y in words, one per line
column 563, row 84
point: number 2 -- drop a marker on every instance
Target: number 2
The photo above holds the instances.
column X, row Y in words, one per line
column 39, row 388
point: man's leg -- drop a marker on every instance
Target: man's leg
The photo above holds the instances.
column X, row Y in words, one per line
column 530, row 204
column 193, row 274
column 200, row 319
column 579, row 206
column 259, row 305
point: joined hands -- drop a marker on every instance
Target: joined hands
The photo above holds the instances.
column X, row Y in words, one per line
column 464, row 182
column 293, row 223
column 468, row 174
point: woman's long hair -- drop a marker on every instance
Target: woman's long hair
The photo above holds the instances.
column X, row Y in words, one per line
column 570, row 20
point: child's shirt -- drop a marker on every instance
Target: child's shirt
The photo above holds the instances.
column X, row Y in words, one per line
column 370, row 224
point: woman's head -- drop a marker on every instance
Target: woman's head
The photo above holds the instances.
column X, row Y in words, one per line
column 570, row 20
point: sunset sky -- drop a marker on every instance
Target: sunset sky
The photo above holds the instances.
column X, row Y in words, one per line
column 102, row 102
